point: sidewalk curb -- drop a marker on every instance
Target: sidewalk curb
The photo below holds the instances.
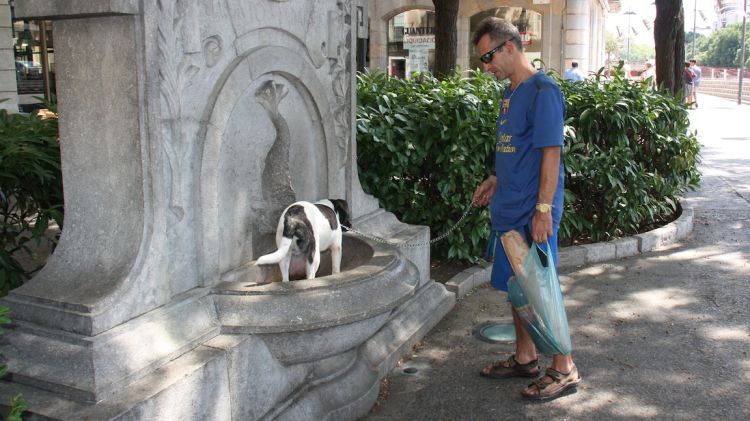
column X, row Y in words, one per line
column 578, row 256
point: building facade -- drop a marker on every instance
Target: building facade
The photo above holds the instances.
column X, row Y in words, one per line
column 27, row 61
column 557, row 32
column 401, row 40
column 8, row 89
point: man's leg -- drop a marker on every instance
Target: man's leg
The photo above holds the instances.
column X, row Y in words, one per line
column 502, row 270
column 525, row 348
column 524, row 362
column 695, row 96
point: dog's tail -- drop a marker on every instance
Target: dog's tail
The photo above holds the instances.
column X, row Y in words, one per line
column 275, row 257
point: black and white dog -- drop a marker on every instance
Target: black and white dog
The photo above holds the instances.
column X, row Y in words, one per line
column 308, row 229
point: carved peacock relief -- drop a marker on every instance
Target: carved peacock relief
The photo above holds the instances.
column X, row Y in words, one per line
column 276, row 180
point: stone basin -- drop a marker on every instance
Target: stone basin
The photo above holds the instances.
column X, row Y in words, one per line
column 355, row 253
column 307, row 320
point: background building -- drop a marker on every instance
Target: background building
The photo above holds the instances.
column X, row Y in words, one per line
column 8, row 95
column 27, row 61
column 401, row 40
column 729, row 11
column 555, row 31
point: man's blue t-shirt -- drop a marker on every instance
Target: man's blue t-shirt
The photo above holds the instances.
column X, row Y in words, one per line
column 532, row 120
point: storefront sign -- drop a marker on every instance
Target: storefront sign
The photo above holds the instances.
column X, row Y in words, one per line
column 415, row 42
column 422, row 30
column 417, row 61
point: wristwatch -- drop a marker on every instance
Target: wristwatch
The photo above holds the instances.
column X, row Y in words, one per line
column 543, row 207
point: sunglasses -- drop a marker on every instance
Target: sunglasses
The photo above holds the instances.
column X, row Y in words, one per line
column 486, row 58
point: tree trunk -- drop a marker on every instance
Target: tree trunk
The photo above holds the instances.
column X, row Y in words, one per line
column 669, row 39
column 446, row 14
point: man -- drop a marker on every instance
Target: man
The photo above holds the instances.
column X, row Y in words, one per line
column 649, row 72
column 688, row 91
column 574, row 73
column 525, row 191
column 697, row 73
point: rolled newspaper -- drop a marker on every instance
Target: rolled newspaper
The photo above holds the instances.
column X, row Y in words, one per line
column 515, row 248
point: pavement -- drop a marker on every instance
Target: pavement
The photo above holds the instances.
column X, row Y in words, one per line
column 662, row 332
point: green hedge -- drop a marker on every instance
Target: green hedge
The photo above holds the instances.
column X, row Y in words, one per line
column 423, row 144
column 31, row 194
column 629, row 156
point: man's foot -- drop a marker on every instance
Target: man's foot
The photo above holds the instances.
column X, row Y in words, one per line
column 505, row 369
column 552, row 385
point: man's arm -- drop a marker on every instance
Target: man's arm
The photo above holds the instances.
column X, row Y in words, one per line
column 549, row 172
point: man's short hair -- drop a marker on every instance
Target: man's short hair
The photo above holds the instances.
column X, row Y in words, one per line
column 574, row 64
column 498, row 30
column 692, row 60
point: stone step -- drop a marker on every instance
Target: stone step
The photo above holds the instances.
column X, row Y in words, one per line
column 733, row 97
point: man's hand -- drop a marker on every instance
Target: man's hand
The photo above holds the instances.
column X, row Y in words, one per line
column 484, row 192
column 541, row 226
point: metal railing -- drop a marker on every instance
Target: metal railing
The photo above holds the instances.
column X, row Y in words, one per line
column 723, row 73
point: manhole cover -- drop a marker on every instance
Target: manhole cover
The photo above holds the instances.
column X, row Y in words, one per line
column 496, row 332
column 411, row 370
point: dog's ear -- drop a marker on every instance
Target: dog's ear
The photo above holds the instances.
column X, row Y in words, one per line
column 342, row 209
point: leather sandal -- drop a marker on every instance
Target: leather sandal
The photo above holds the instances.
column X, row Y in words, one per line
column 562, row 384
column 505, row 369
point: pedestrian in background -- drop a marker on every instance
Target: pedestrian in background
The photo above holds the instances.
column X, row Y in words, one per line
column 688, row 91
column 697, row 73
column 649, row 72
column 574, row 73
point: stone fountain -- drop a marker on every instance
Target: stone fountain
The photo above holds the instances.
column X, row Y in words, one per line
column 186, row 126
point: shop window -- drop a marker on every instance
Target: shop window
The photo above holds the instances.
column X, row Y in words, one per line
column 411, row 43
column 528, row 22
column 33, row 49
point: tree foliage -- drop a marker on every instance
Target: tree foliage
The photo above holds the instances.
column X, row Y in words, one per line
column 640, row 52
column 722, row 48
column 610, row 44
column 31, row 195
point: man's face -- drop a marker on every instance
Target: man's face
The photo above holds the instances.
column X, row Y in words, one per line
column 499, row 65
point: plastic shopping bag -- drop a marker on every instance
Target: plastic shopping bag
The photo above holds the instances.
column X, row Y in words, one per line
column 536, row 297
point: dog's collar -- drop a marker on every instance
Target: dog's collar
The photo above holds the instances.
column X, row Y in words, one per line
column 327, row 203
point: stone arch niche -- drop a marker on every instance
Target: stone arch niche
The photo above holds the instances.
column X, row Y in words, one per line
column 239, row 214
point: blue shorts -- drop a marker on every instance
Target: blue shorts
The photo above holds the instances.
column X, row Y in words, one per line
column 501, row 269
